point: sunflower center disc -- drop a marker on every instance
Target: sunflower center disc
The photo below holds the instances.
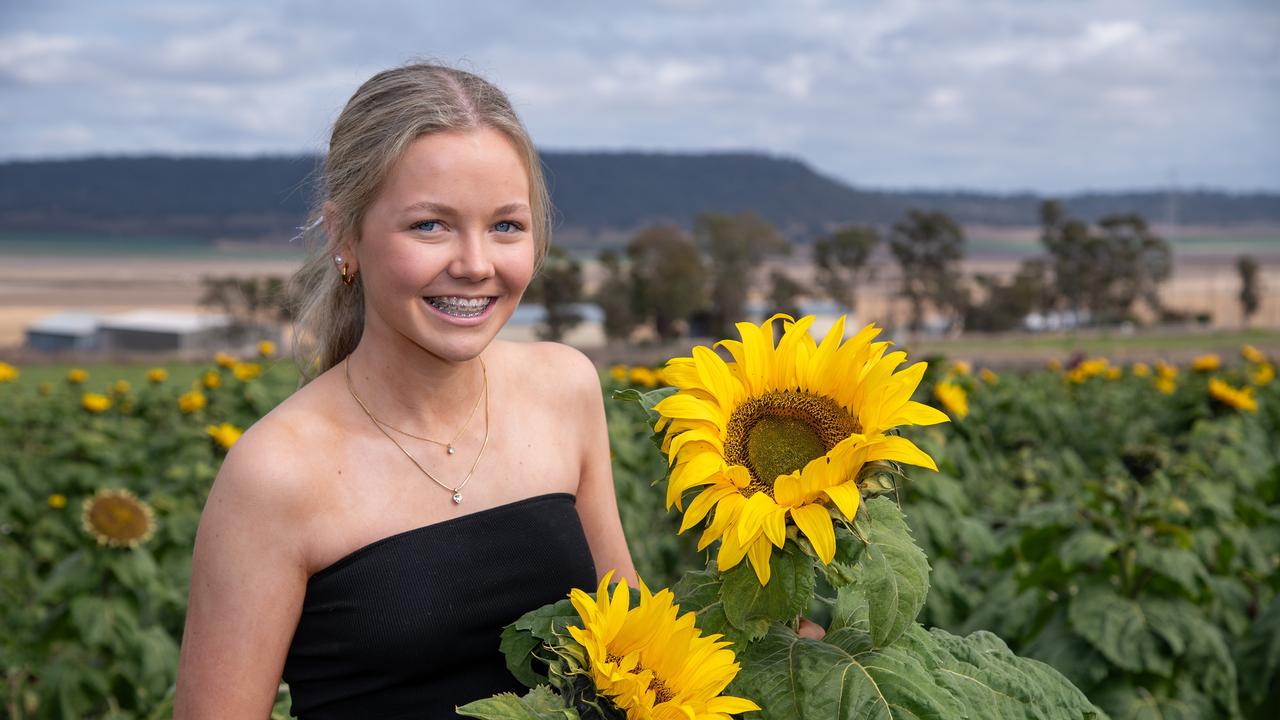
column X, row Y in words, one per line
column 780, row 432
column 781, row 445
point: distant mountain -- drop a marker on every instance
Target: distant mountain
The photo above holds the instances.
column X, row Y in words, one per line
column 267, row 198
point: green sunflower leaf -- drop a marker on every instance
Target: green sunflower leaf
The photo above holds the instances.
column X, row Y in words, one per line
column 1120, row 629
column 750, row 606
column 1258, row 657
column 538, row 704
column 892, row 574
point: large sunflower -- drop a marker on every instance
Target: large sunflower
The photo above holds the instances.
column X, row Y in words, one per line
column 651, row 661
column 782, row 432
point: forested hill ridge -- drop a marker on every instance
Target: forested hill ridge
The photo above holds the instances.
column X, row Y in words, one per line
column 266, row 198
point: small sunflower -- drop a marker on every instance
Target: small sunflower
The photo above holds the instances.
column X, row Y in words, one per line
column 225, row 434
column 8, row 373
column 246, row 371
column 118, row 518
column 1114, row 373
column 211, row 379
column 652, row 662
column 1087, row 369
column 953, row 398
column 1166, row 385
column 618, row 373
column 1252, row 354
column 1263, row 374
column 1206, row 363
column 120, row 387
column 157, row 375
column 95, row 402
column 77, row 376
column 961, row 367
column 266, row 348
column 224, row 360
column 189, row 402
column 643, row 376
column 783, row 431
column 989, row 376
column 57, row 501
column 1141, row 369
column 1238, row 398
column 1054, row 364
column 1165, row 370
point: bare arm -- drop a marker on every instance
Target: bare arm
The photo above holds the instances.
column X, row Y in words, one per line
column 248, row 578
column 597, row 502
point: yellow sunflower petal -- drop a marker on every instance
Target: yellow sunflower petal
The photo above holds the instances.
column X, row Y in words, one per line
column 730, row 705
column 731, row 552
column 845, row 497
column 703, row 503
column 715, row 376
column 914, row 413
column 758, row 508
column 815, row 522
column 758, row 554
column 900, row 449
column 684, row 406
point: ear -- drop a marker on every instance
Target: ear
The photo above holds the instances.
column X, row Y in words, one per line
column 339, row 245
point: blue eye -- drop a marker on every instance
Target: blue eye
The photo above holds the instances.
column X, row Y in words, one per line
column 507, row 226
column 423, row 226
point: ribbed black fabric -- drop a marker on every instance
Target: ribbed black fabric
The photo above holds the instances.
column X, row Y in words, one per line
column 408, row 626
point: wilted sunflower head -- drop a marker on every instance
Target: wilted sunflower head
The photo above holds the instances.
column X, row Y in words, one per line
column 117, row 518
column 652, row 662
column 750, row 430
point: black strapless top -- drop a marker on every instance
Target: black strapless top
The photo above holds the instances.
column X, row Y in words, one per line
column 408, row 626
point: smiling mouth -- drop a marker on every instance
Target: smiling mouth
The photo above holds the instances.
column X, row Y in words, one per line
column 460, row 307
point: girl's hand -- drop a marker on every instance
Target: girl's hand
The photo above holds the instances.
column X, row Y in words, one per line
column 810, row 629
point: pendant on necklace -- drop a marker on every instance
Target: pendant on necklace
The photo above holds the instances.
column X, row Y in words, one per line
column 450, row 448
column 457, row 498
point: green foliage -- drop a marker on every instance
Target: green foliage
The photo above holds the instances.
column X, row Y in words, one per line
column 668, row 279
column 929, row 247
column 736, row 245
column 841, row 261
column 558, row 288
column 1250, row 285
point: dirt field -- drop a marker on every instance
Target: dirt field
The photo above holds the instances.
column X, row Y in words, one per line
column 32, row 287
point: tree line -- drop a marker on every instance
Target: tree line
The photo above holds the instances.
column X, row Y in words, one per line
column 670, row 282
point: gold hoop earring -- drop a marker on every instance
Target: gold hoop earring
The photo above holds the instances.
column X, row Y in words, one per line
column 347, row 278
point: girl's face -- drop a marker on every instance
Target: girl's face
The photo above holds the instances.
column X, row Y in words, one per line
column 447, row 249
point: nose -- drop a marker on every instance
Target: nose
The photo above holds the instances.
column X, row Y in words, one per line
column 471, row 260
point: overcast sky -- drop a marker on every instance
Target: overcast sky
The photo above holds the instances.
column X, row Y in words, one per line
column 980, row 94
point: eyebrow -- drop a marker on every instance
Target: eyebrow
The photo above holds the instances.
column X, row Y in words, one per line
column 435, row 207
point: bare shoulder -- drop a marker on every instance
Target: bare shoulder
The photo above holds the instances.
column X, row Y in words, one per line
column 552, row 367
column 270, row 472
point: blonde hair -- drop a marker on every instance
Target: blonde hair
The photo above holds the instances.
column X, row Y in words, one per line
column 388, row 112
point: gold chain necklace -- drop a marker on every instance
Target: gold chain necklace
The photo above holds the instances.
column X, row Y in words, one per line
column 449, row 445
column 457, row 491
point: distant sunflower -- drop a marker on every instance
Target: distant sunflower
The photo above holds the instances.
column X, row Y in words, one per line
column 643, row 376
column 1263, row 374
column 77, row 376
column 95, row 402
column 953, row 398
column 989, row 376
column 618, row 373
column 118, row 518
column 1238, row 398
column 224, row 360
column 8, row 372
column 1141, row 369
column 652, row 662
column 1206, row 363
column 189, row 402
column 157, row 375
column 266, row 348
column 1252, row 354
column 783, row 431
column 211, row 379
column 225, row 434
column 246, row 371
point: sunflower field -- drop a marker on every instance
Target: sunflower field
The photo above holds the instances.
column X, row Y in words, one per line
column 1112, row 529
